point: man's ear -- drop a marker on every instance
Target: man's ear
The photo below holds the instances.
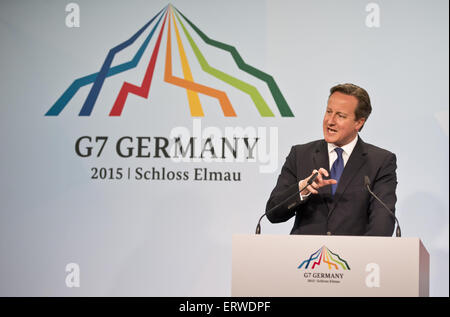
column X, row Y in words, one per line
column 359, row 123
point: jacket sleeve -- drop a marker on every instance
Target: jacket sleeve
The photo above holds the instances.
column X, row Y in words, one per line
column 283, row 199
column 381, row 222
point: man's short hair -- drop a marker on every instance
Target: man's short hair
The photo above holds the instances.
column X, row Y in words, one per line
column 364, row 108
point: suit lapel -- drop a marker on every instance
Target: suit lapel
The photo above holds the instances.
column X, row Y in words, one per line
column 321, row 159
column 356, row 160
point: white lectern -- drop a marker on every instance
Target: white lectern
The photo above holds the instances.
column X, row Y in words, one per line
column 297, row 265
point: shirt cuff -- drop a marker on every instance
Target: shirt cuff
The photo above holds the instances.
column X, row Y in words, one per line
column 304, row 197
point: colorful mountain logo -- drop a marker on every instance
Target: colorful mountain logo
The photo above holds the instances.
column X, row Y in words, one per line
column 173, row 27
column 326, row 257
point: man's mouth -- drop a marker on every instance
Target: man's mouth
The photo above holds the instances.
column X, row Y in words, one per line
column 330, row 130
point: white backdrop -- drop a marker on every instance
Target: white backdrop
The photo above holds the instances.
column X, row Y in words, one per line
column 172, row 237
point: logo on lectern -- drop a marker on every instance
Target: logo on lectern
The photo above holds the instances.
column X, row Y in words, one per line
column 327, row 257
column 322, row 262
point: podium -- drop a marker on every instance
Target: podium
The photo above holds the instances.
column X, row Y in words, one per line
column 298, row 265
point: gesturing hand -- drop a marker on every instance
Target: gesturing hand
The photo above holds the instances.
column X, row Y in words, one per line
column 318, row 182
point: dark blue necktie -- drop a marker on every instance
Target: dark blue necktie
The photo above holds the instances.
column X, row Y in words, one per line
column 337, row 168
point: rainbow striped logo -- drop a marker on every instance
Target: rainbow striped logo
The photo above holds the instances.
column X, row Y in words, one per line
column 327, row 257
column 174, row 23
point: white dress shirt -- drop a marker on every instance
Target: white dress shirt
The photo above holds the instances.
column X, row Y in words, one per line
column 347, row 151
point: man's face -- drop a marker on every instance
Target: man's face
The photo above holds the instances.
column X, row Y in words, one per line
column 339, row 125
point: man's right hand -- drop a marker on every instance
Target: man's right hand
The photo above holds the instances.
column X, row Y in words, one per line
column 318, row 182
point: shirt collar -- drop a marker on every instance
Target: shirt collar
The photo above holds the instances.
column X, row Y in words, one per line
column 348, row 148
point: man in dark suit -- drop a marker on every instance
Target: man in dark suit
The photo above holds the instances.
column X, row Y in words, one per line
column 337, row 202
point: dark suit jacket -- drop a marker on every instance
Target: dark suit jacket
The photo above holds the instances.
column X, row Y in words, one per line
column 352, row 211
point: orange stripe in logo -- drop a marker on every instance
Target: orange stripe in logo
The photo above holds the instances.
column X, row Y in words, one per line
column 194, row 101
column 188, row 83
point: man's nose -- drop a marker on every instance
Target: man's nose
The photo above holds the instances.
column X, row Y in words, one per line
column 332, row 120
